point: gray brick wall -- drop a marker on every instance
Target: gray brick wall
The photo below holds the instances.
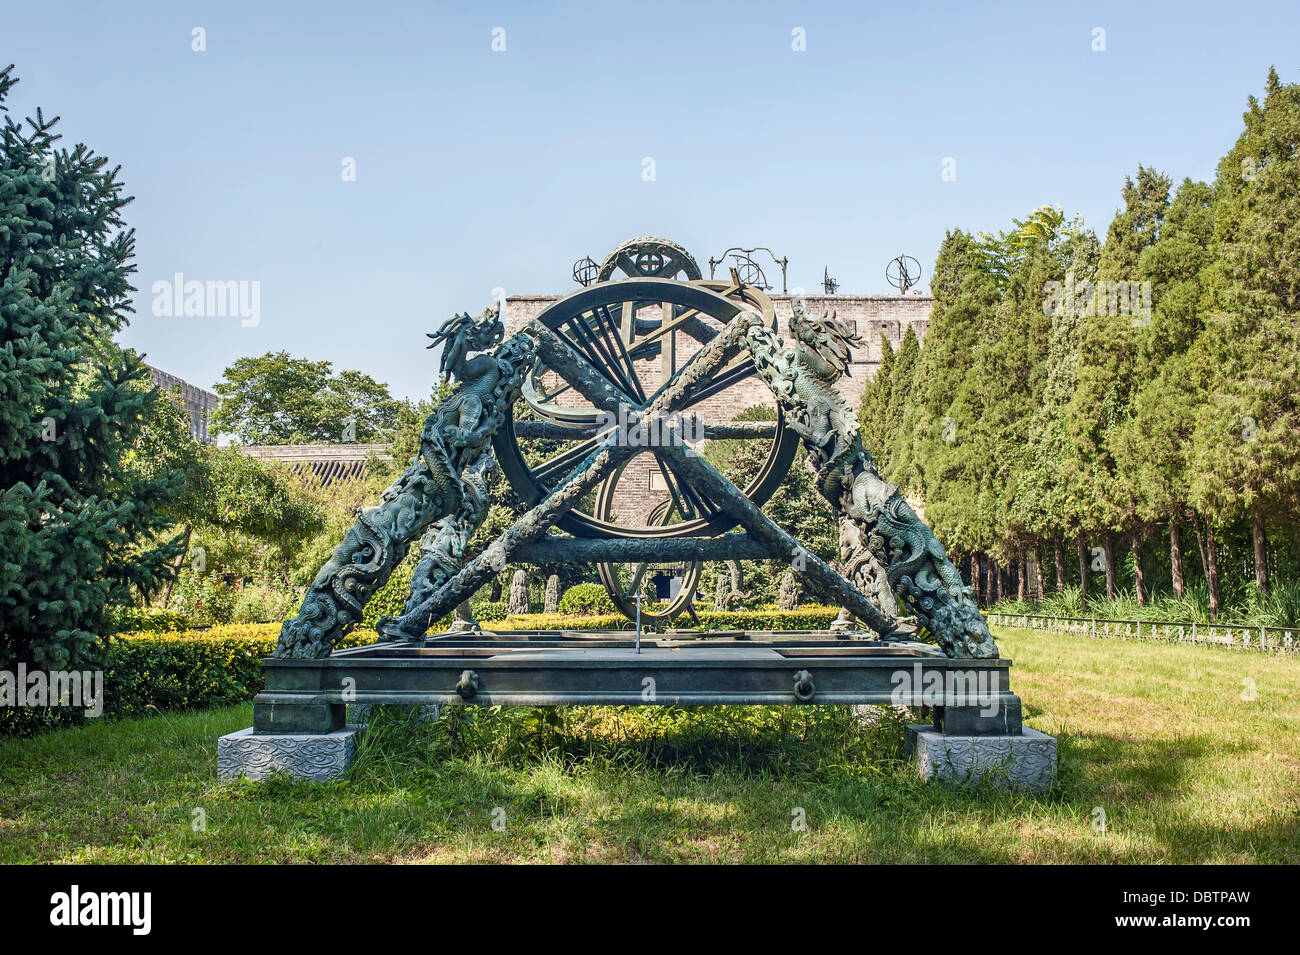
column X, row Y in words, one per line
column 197, row 403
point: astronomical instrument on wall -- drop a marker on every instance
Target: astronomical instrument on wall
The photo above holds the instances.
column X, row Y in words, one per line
column 903, row 272
column 744, row 265
column 585, row 270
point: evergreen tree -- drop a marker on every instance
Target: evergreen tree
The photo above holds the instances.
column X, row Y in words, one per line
column 1154, row 384
column 1246, row 456
column 1010, row 372
column 1115, row 316
column 899, row 416
column 872, row 410
column 1048, row 507
column 1153, row 444
column 944, row 472
column 77, row 525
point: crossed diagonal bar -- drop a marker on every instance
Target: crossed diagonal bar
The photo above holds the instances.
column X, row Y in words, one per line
column 602, row 459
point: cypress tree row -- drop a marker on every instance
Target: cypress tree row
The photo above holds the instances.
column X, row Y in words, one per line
column 1079, row 407
column 1245, row 453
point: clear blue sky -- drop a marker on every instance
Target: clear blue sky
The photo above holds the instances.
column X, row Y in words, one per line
column 478, row 169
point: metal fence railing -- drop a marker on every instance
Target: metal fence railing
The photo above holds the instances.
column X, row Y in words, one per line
column 1275, row 640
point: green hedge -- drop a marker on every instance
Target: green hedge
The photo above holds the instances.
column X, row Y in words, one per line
column 189, row 670
column 804, row 618
column 145, row 620
column 812, row 617
column 222, row 665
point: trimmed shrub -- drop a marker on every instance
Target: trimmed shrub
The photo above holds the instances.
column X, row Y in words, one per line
column 489, row 610
column 561, row 621
column 810, row 617
column 585, row 599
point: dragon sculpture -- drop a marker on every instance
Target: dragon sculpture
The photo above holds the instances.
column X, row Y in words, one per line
column 885, row 548
column 442, row 493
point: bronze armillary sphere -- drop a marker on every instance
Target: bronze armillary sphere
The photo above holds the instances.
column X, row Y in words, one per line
column 636, row 335
column 903, row 272
column 617, row 328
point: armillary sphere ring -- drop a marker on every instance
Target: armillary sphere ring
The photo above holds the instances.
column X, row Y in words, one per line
column 649, row 257
column 624, row 597
column 606, row 325
column 903, row 272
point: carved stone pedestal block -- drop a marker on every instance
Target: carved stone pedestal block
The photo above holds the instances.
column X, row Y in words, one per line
column 1025, row 760
column 311, row 756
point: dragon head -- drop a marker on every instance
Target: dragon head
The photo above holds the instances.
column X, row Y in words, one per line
column 824, row 337
column 462, row 334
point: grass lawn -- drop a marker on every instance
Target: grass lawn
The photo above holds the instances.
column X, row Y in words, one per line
column 1159, row 737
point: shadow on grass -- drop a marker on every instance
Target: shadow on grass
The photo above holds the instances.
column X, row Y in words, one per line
column 742, row 741
column 1126, row 769
column 638, row 784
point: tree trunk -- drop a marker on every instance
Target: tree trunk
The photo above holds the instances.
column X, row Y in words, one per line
column 976, row 584
column 1039, row 587
column 1110, row 566
column 1083, row 568
column 1058, row 554
column 1261, row 551
column 995, row 575
column 176, row 567
column 1139, row 582
column 1022, row 577
column 1176, row 557
column 1211, row 570
column 1200, row 543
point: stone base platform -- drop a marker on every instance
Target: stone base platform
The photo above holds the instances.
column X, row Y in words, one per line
column 317, row 756
column 307, row 718
column 1024, row 760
